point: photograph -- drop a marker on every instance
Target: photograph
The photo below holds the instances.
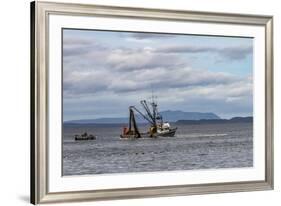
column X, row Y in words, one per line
column 130, row 102
column 137, row 102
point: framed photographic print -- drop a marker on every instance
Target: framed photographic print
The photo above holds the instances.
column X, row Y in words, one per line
column 134, row 102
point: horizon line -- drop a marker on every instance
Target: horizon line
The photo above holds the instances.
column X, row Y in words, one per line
column 177, row 120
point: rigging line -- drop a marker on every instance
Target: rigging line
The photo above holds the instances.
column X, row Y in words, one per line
column 144, row 104
column 132, row 107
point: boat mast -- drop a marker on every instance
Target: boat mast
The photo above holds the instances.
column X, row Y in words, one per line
column 156, row 114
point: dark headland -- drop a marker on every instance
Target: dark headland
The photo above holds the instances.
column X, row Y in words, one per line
column 170, row 116
column 179, row 117
column 217, row 121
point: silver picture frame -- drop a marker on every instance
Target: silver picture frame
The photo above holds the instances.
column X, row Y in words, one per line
column 40, row 12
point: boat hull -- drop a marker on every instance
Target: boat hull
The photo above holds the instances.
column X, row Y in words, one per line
column 129, row 136
column 81, row 138
column 169, row 133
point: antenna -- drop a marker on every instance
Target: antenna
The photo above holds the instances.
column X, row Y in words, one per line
column 153, row 97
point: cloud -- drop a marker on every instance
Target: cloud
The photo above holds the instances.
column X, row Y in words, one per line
column 185, row 49
column 236, row 53
column 231, row 53
column 76, row 47
column 125, row 70
column 141, row 36
column 158, row 78
column 141, row 59
column 226, row 100
column 102, row 79
column 67, row 41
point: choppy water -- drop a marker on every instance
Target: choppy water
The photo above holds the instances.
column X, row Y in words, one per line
column 194, row 147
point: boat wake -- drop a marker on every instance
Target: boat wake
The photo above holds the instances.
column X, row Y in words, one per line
column 200, row 135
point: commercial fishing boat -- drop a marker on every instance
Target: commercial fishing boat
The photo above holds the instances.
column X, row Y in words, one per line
column 157, row 125
column 84, row 136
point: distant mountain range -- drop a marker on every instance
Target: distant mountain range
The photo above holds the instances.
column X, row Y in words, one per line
column 214, row 121
column 170, row 116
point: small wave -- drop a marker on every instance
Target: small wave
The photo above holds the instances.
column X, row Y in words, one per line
column 202, row 154
column 202, row 135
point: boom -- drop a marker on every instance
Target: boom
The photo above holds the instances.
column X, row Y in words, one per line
column 133, row 121
column 145, row 106
column 145, row 117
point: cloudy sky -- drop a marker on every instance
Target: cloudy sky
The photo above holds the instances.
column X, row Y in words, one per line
column 104, row 72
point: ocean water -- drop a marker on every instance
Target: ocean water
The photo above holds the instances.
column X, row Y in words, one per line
column 206, row 146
